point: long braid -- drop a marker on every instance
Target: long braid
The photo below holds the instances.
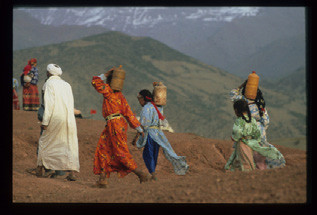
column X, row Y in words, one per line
column 242, row 106
column 249, row 115
column 259, row 101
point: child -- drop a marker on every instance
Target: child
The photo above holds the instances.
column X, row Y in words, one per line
column 154, row 137
column 247, row 137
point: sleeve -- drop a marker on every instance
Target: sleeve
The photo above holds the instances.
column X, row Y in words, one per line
column 146, row 117
column 35, row 78
column 129, row 115
column 237, row 131
column 21, row 79
column 27, row 69
column 49, row 101
column 101, row 87
column 256, row 132
column 15, row 84
column 236, row 94
column 265, row 120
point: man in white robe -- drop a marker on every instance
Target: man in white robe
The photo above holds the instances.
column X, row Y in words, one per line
column 58, row 144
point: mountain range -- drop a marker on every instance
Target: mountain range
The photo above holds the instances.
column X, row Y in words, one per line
column 198, row 94
column 270, row 40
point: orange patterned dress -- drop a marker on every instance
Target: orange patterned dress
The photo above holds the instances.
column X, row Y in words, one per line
column 112, row 153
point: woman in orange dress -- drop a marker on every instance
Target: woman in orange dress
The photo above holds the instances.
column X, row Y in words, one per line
column 112, row 153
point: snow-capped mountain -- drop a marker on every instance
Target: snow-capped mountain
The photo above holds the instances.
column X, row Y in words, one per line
column 123, row 18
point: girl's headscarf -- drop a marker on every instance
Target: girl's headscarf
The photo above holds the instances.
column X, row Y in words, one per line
column 32, row 61
column 28, row 67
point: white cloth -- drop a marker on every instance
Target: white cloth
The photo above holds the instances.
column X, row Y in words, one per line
column 58, row 145
column 54, row 69
column 102, row 77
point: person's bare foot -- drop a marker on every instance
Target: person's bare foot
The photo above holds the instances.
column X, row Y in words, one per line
column 102, row 183
column 144, row 177
column 153, row 178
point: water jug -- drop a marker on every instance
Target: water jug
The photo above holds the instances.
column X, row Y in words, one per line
column 117, row 80
column 159, row 93
column 251, row 87
column 27, row 78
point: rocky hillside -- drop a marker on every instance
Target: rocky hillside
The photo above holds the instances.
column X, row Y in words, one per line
column 205, row 181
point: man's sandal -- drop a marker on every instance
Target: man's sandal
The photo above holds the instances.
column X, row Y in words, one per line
column 70, row 178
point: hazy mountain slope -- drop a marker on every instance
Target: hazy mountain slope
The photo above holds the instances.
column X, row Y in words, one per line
column 236, row 42
column 29, row 32
column 292, row 85
column 198, row 99
column 279, row 57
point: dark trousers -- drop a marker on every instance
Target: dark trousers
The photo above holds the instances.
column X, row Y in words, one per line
column 150, row 154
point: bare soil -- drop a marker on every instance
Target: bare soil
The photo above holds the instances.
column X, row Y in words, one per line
column 205, row 182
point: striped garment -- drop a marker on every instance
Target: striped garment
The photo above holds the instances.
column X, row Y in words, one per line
column 15, row 104
column 31, row 101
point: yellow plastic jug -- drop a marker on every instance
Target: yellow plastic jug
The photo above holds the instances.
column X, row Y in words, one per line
column 251, row 87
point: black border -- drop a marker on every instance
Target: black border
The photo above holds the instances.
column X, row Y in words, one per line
column 6, row 53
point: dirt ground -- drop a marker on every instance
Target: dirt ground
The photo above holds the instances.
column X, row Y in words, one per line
column 205, row 182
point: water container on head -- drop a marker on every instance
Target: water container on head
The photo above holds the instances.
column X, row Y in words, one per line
column 251, row 87
column 27, row 78
column 118, row 77
column 159, row 93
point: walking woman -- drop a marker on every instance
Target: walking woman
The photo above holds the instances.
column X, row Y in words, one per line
column 112, row 153
column 259, row 113
column 154, row 137
column 247, row 140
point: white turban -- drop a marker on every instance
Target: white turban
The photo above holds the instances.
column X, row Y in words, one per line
column 54, row 69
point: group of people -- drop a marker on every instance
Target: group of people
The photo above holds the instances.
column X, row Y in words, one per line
column 58, row 143
column 112, row 153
